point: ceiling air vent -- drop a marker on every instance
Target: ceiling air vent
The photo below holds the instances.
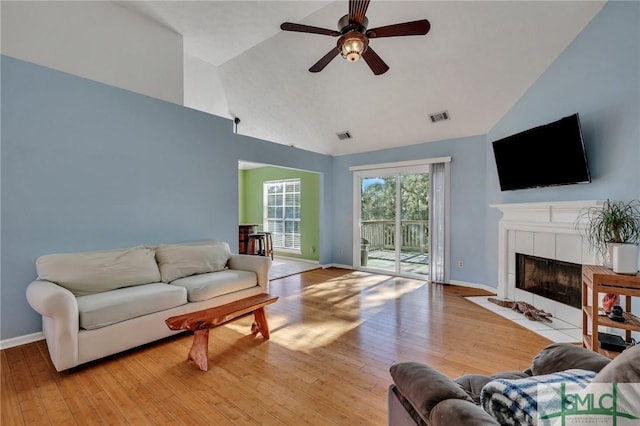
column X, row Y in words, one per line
column 344, row 135
column 439, row 116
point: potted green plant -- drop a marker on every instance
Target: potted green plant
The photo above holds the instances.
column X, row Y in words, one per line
column 615, row 222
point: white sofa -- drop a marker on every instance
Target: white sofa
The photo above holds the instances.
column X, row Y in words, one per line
column 95, row 304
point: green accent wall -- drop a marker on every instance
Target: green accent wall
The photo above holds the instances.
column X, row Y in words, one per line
column 251, row 199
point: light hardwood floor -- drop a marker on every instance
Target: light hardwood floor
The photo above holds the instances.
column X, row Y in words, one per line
column 334, row 335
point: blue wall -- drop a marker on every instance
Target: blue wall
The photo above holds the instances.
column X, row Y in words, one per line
column 87, row 166
column 598, row 76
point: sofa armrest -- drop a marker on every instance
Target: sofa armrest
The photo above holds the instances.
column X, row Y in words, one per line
column 258, row 264
column 425, row 387
column 52, row 300
column 563, row 356
column 60, row 321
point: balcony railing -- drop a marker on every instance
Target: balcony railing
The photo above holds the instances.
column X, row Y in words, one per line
column 381, row 235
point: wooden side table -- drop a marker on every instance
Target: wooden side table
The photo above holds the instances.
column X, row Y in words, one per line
column 603, row 280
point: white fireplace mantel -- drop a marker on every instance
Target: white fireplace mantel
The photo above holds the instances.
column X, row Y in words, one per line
column 553, row 213
column 544, row 229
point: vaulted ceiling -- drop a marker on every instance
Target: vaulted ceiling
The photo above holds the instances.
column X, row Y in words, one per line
column 477, row 60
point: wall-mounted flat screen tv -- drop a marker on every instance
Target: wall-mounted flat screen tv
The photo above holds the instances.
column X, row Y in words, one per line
column 548, row 155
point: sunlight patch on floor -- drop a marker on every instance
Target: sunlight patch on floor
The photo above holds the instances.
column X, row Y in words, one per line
column 309, row 325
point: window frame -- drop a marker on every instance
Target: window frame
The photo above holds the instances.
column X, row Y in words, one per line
column 279, row 242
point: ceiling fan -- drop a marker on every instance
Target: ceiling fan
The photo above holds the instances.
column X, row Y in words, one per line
column 354, row 36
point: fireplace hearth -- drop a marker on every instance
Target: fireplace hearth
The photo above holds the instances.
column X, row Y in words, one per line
column 547, row 230
column 554, row 279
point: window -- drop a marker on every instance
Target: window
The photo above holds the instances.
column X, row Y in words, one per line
column 282, row 213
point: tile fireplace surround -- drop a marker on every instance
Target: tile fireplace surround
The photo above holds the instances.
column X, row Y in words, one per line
column 545, row 230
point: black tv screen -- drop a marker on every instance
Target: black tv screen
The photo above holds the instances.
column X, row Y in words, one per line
column 547, row 155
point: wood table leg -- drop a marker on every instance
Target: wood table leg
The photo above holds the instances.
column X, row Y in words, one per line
column 199, row 349
column 200, row 322
column 260, row 325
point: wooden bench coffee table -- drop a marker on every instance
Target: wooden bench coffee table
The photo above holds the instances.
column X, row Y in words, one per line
column 201, row 322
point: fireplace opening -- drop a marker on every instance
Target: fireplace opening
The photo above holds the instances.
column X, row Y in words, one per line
column 554, row 279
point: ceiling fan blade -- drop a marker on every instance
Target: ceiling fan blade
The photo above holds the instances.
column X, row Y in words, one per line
column 324, row 61
column 358, row 10
column 288, row 26
column 375, row 62
column 405, row 29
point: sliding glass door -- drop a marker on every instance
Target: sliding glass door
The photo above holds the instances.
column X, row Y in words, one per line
column 378, row 222
column 394, row 221
column 414, row 224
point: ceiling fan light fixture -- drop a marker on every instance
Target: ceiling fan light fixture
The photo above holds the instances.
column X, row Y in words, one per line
column 353, row 45
column 354, row 36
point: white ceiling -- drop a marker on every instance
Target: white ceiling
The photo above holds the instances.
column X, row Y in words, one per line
column 476, row 62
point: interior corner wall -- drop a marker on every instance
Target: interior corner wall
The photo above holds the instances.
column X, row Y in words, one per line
column 87, row 166
column 203, row 88
column 309, row 204
column 98, row 40
column 597, row 77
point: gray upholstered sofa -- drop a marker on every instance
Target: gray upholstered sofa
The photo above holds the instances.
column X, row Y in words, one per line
column 421, row 395
column 95, row 304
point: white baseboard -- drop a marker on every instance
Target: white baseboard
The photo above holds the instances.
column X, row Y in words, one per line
column 337, row 265
column 21, row 340
column 475, row 285
column 297, row 259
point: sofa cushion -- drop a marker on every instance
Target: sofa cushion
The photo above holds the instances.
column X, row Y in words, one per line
column 183, row 260
column 206, row 286
column 472, row 384
column 102, row 309
column 625, row 368
column 98, row 271
column 459, row 412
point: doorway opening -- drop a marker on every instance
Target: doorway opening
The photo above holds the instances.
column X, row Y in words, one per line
column 285, row 202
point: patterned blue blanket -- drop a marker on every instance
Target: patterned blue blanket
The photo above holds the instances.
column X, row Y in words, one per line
column 515, row 402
